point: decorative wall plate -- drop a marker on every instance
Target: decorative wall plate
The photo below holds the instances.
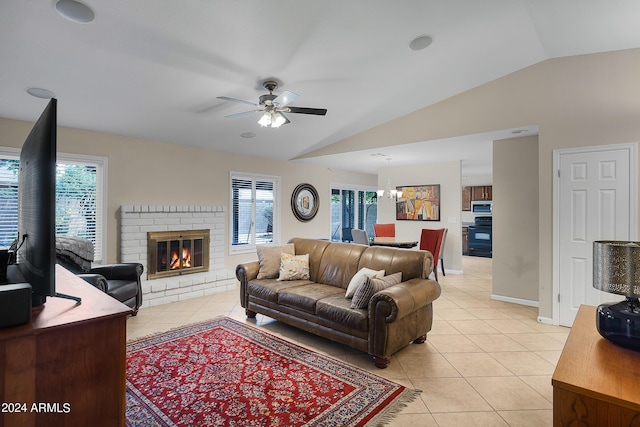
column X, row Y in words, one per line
column 304, row 202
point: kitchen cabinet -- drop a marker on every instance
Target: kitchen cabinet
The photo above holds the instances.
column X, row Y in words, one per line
column 465, row 241
column 481, row 192
column 466, row 199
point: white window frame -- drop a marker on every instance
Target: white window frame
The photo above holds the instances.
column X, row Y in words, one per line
column 101, row 164
column 251, row 247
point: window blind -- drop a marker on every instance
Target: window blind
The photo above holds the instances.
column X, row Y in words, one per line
column 79, row 200
column 254, row 208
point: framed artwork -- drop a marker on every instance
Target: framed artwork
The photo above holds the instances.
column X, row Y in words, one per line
column 418, row 203
column 304, row 202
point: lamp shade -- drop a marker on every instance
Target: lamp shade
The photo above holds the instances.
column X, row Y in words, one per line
column 616, row 267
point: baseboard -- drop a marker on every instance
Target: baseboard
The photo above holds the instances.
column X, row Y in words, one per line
column 516, row 300
column 447, row 271
column 545, row 320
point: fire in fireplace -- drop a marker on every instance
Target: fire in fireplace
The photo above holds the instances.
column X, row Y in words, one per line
column 173, row 253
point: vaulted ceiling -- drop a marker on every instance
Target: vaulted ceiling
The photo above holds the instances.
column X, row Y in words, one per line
column 154, row 68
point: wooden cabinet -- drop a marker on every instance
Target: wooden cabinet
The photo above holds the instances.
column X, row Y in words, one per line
column 595, row 382
column 465, row 240
column 479, row 192
column 69, row 361
column 483, row 192
column 466, row 198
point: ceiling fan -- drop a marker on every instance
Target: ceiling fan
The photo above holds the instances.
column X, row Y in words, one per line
column 274, row 106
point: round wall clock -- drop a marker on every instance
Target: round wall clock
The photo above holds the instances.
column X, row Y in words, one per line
column 304, row 202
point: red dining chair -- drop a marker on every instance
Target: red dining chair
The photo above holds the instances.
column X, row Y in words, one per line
column 384, row 230
column 431, row 240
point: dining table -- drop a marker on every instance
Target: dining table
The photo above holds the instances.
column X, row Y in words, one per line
column 394, row 243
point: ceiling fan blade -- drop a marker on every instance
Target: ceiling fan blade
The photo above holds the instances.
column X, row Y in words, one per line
column 303, row 110
column 285, row 98
column 244, row 113
column 226, row 98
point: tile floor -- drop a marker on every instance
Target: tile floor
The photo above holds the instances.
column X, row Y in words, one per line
column 485, row 363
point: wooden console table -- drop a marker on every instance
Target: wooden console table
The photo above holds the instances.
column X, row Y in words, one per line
column 67, row 366
column 595, row 383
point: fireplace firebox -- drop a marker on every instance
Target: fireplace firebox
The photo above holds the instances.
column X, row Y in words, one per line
column 174, row 253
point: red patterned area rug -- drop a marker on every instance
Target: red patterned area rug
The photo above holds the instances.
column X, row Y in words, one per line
column 226, row 373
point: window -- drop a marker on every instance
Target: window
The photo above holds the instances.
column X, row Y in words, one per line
column 80, row 192
column 255, row 211
column 352, row 207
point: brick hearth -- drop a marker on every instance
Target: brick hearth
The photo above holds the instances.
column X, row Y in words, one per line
column 136, row 221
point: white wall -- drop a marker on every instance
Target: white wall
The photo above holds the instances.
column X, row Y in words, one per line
column 576, row 101
column 144, row 172
column 448, row 176
column 515, row 220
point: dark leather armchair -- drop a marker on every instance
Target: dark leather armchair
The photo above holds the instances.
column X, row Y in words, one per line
column 121, row 281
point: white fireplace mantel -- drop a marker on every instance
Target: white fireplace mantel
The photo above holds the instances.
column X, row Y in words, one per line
column 136, row 221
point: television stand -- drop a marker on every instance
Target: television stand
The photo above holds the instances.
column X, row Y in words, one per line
column 67, row 366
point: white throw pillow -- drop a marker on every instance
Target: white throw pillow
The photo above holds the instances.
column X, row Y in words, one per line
column 360, row 277
column 294, row 267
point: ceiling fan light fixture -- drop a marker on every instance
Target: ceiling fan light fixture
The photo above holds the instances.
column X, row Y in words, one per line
column 265, row 120
column 277, row 120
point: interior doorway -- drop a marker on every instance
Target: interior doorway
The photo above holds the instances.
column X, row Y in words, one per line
column 595, row 198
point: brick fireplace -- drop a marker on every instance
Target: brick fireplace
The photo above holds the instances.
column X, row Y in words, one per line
column 175, row 253
column 195, row 229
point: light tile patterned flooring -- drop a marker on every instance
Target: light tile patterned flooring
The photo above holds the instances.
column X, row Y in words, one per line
column 485, row 363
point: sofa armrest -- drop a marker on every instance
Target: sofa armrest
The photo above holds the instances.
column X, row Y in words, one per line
column 123, row 271
column 404, row 298
column 96, row 280
column 245, row 273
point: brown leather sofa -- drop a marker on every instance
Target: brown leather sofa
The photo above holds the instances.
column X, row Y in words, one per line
column 394, row 318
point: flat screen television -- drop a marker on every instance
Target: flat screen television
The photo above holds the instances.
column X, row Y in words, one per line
column 36, row 243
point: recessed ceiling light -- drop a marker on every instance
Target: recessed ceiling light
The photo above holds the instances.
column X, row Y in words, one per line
column 247, row 134
column 75, row 11
column 39, row 92
column 421, row 42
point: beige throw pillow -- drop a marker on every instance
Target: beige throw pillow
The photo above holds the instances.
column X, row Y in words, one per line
column 294, row 267
column 359, row 278
column 371, row 286
column 269, row 258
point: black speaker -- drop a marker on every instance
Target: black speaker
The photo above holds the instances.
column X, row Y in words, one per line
column 5, row 260
column 15, row 304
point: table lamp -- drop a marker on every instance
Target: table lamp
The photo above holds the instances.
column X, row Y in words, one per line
column 616, row 269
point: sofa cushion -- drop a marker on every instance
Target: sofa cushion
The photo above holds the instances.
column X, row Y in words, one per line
column 267, row 289
column 339, row 263
column 371, row 286
column 359, row 278
column 334, row 311
column 122, row 289
column 269, row 259
column 294, row 267
column 305, row 297
column 394, row 260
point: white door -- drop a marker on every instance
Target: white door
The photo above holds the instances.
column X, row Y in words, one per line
column 594, row 203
